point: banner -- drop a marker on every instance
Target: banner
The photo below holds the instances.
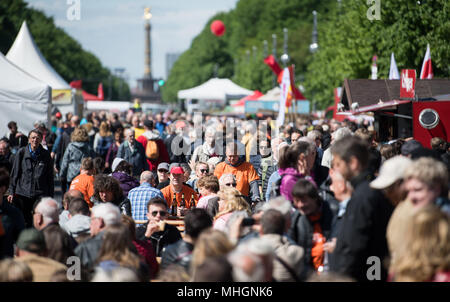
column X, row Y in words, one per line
column 284, row 86
column 61, row 96
column 407, row 83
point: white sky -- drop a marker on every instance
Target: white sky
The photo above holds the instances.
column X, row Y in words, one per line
column 113, row 30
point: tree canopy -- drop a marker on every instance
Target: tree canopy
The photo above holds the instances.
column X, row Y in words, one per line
column 347, row 42
column 64, row 53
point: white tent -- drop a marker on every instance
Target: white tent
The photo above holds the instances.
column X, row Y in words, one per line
column 271, row 95
column 215, row 89
column 23, row 98
column 25, row 54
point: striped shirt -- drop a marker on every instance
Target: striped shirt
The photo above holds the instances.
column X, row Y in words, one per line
column 139, row 197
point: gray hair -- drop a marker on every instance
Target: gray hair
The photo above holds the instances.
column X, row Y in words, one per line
column 225, row 177
column 341, row 133
column 109, row 212
column 314, row 134
column 147, row 176
column 242, row 271
column 235, row 216
column 49, row 209
column 280, row 204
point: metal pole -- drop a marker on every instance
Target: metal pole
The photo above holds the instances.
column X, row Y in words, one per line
column 266, row 48
column 274, row 52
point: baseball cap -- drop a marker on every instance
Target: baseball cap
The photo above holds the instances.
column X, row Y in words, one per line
column 164, row 166
column 116, row 162
column 175, row 168
column 392, row 170
column 31, row 240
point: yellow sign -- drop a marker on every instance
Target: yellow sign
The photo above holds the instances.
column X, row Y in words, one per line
column 61, row 96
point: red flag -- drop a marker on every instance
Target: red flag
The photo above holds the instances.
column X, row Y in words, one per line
column 296, row 94
column 76, row 84
column 100, row 91
column 427, row 70
column 272, row 63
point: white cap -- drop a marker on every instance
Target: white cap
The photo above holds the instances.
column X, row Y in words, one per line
column 392, row 170
column 116, row 162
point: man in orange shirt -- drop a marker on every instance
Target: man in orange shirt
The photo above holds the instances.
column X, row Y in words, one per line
column 246, row 176
column 177, row 188
column 85, row 181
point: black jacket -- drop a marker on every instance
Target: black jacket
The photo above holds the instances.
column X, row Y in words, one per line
column 179, row 253
column 88, row 250
column 32, row 178
column 302, row 230
column 7, row 161
column 159, row 239
column 13, row 223
column 363, row 231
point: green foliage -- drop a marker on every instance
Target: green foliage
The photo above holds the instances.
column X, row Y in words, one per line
column 62, row 52
column 247, row 26
column 349, row 40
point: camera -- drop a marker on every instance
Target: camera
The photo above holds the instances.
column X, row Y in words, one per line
column 248, row 221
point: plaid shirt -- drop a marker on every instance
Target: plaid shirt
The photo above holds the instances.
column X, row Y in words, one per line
column 139, row 197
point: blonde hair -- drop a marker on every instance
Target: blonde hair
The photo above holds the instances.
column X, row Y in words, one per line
column 104, row 129
column 235, row 201
column 429, row 171
column 79, row 135
column 210, row 243
column 426, row 249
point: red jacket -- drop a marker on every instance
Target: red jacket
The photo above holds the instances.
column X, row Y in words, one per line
column 163, row 154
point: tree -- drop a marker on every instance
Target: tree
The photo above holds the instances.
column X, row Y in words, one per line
column 62, row 52
column 348, row 41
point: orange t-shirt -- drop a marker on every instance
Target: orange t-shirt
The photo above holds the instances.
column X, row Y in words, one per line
column 245, row 174
column 188, row 192
column 317, row 252
column 85, row 184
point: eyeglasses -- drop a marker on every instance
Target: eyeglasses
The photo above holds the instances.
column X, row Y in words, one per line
column 161, row 213
column 204, row 170
column 231, row 184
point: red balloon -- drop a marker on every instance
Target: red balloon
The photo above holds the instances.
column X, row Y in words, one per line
column 218, row 28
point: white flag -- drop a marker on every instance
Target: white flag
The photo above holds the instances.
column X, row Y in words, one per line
column 393, row 71
column 284, row 86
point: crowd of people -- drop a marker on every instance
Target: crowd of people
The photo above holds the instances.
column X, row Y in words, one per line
column 312, row 200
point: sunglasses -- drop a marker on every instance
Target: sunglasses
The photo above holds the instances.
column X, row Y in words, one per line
column 161, row 213
column 231, row 185
column 204, row 170
column 163, row 171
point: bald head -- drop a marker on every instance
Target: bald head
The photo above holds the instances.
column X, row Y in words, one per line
column 71, row 195
column 148, row 177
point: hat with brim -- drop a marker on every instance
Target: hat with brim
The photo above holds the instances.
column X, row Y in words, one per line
column 31, row 240
column 391, row 171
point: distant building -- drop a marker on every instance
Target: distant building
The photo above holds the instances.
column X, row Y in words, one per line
column 171, row 58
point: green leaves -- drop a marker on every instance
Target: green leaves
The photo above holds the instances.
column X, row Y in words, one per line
column 64, row 53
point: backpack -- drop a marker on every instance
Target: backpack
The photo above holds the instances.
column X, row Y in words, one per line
column 151, row 150
column 103, row 145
